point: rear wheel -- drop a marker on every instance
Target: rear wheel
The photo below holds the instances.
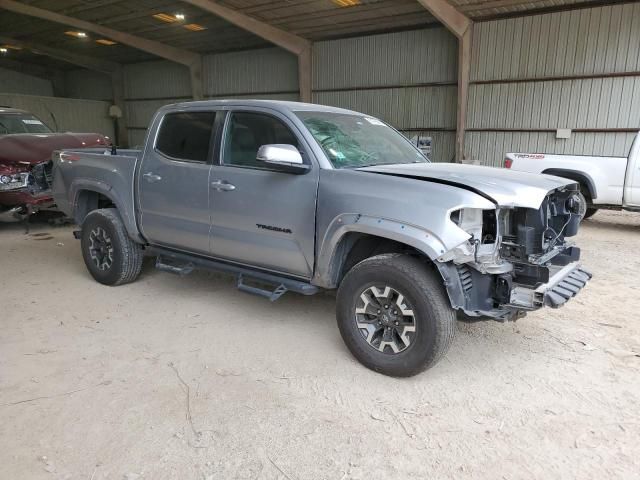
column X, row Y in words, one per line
column 590, row 213
column 110, row 255
column 394, row 315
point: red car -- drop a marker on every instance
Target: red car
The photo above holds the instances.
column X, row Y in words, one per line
column 26, row 144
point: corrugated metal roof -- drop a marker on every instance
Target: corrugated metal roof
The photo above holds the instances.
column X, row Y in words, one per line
column 312, row 19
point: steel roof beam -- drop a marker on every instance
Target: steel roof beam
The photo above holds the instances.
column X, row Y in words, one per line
column 288, row 41
column 462, row 27
column 456, row 21
column 84, row 61
column 184, row 57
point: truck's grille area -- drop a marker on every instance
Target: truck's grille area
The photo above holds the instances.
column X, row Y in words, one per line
column 42, row 175
column 465, row 277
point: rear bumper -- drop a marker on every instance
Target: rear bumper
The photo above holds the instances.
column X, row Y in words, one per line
column 565, row 284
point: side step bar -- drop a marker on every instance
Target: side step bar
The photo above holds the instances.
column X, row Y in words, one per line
column 183, row 264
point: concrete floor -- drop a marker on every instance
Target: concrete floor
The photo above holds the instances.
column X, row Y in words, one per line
column 186, row 378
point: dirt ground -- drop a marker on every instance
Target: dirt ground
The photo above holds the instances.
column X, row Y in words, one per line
column 187, row 378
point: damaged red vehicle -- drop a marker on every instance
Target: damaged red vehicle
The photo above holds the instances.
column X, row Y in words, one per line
column 26, row 144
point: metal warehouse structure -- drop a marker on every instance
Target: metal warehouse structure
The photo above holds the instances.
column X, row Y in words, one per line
column 479, row 77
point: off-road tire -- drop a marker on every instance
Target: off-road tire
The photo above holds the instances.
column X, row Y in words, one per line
column 423, row 289
column 126, row 255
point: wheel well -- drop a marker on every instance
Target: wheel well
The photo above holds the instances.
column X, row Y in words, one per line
column 355, row 247
column 586, row 184
column 87, row 201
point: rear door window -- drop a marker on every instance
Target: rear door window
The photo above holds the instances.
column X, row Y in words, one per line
column 186, row 135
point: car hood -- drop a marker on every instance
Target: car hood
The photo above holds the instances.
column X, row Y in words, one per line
column 20, row 151
column 504, row 187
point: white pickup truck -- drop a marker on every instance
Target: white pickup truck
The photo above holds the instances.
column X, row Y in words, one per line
column 605, row 182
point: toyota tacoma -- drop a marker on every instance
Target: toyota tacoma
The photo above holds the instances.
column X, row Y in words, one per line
column 299, row 197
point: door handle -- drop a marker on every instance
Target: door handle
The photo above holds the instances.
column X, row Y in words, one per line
column 222, row 186
column 151, row 177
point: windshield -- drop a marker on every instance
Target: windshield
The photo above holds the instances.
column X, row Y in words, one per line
column 352, row 141
column 21, row 123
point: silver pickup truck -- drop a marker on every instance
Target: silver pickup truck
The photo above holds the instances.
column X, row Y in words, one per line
column 299, row 197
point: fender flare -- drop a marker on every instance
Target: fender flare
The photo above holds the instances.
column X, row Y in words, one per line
column 329, row 256
column 581, row 177
column 97, row 186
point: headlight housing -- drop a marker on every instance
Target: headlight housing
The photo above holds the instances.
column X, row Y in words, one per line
column 470, row 220
column 14, row 181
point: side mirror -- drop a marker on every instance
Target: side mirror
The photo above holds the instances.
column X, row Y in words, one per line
column 282, row 157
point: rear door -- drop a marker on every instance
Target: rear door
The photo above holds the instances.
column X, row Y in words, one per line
column 173, row 181
column 261, row 217
column 632, row 180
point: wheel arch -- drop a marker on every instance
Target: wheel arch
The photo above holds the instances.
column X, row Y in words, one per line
column 352, row 238
column 95, row 195
column 584, row 179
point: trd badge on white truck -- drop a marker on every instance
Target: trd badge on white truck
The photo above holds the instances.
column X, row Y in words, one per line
column 605, row 182
column 301, row 197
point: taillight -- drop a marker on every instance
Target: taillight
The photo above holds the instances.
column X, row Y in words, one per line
column 508, row 162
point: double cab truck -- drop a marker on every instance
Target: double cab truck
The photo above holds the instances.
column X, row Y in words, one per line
column 299, row 197
column 605, row 182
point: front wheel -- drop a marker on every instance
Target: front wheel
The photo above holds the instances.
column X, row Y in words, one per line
column 110, row 255
column 394, row 315
column 590, row 213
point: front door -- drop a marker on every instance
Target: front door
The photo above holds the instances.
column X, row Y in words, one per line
column 261, row 217
column 174, row 182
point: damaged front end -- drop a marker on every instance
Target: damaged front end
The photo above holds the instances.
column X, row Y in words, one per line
column 516, row 259
column 24, row 191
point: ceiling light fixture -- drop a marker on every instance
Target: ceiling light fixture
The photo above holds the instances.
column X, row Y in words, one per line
column 3, row 50
column 105, row 41
column 179, row 16
column 194, row 27
column 72, row 33
column 347, row 3
column 165, row 17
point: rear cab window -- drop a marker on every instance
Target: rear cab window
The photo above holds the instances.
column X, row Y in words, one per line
column 186, row 136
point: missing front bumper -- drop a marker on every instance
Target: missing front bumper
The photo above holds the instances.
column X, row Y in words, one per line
column 565, row 284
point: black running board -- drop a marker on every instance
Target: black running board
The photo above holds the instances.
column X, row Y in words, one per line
column 183, row 264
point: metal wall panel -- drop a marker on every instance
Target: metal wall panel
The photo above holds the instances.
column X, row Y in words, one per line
column 591, row 60
column 404, row 108
column 137, row 138
column 593, row 103
column 16, row 82
column 346, row 72
column 443, row 146
column 403, row 58
column 577, row 42
column 489, row 148
column 88, row 84
column 157, row 79
column 70, row 115
column 248, row 72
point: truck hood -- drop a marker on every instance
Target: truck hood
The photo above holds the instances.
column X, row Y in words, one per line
column 505, row 188
column 20, row 151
